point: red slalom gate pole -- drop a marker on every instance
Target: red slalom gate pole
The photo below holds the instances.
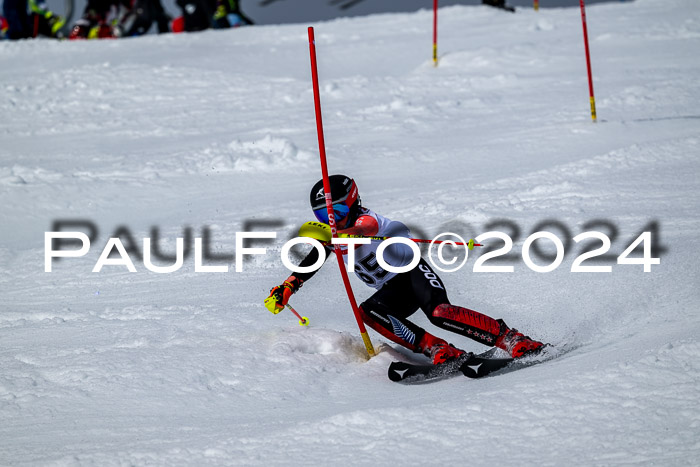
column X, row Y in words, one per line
column 435, row 9
column 329, row 199
column 588, row 61
column 536, row 5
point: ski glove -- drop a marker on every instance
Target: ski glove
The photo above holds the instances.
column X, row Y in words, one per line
column 279, row 296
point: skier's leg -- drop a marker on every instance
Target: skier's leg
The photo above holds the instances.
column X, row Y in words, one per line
column 387, row 311
column 484, row 329
column 407, row 334
column 432, row 297
column 466, row 322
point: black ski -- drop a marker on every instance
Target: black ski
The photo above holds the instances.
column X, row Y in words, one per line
column 472, row 365
column 478, row 367
column 469, row 364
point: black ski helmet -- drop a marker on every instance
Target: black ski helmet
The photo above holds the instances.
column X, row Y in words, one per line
column 345, row 196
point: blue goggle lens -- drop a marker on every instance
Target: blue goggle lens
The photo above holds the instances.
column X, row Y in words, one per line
column 340, row 210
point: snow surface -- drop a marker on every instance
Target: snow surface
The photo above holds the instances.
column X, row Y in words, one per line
column 216, row 129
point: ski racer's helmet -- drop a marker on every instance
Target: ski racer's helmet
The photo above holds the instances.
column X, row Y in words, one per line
column 346, row 199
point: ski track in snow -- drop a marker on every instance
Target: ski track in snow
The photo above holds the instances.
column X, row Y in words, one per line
column 217, row 129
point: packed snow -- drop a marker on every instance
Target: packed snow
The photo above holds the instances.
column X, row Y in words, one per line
column 211, row 134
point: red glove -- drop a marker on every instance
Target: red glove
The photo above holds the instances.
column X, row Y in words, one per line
column 279, row 295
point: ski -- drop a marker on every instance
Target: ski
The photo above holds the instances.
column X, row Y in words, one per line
column 478, row 367
column 469, row 364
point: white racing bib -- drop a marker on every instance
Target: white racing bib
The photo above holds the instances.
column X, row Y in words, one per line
column 366, row 266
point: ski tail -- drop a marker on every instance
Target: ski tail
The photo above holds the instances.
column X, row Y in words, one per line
column 409, row 373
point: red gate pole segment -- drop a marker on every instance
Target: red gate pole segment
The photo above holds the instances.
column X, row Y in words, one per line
column 329, row 199
column 435, row 9
column 588, row 61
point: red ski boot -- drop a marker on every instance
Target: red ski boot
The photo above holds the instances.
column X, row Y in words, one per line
column 515, row 343
column 438, row 349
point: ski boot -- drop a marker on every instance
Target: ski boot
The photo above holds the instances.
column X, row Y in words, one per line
column 515, row 343
column 438, row 350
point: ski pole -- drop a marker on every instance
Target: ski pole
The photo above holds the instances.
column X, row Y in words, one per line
column 319, row 231
column 470, row 244
column 303, row 320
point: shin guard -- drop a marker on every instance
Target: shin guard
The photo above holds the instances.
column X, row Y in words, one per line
column 394, row 329
column 466, row 322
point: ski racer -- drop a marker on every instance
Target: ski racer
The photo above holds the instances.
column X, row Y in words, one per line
column 398, row 295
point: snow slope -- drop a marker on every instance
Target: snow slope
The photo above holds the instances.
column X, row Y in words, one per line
column 215, row 130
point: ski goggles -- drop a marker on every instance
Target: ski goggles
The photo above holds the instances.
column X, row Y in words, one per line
column 340, row 212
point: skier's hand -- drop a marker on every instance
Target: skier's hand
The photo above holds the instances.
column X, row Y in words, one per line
column 279, row 295
column 316, row 230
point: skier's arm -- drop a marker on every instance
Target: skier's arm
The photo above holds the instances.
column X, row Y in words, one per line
column 366, row 226
column 309, row 260
column 279, row 295
column 396, row 254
